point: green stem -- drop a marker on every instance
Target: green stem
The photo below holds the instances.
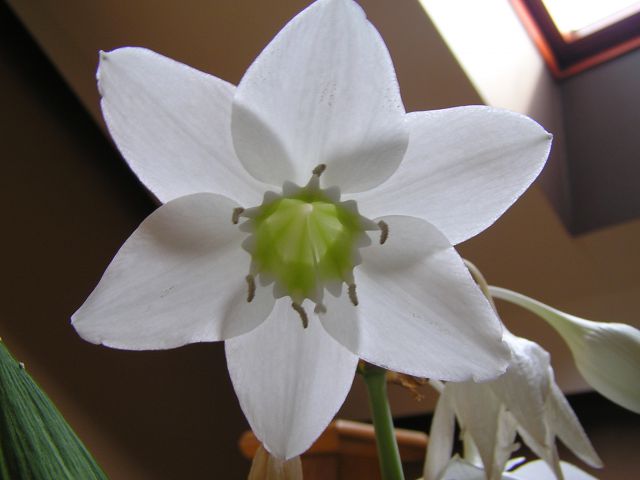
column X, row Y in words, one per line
column 388, row 453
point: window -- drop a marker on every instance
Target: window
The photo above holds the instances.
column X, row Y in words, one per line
column 574, row 35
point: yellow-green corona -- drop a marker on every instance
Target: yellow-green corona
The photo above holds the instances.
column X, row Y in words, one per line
column 305, row 241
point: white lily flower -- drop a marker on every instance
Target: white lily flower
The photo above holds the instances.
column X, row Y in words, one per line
column 607, row 355
column 525, row 400
column 460, row 469
column 323, row 95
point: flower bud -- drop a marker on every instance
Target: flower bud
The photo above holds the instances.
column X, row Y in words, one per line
column 606, row 354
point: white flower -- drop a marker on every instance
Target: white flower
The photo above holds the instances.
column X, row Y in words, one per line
column 459, row 469
column 525, row 400
column 606, row 354
column 323, row 94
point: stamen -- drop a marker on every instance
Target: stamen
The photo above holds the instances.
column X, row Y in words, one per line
column 384, row 231
column 409, row 382
column 251, row 288
column 319, row 170
column 320, row 308
column 352, row 294
column 235, row 216
column 303, row 315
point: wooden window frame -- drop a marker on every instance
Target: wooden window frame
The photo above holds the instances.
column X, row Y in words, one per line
column 569, row 57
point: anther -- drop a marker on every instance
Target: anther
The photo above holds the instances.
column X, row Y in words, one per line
column 319, row 170
column 235, row 216
column 384, row 231
column 303, row 315
column 251, row 288
column 353, row 296
column 320, row 308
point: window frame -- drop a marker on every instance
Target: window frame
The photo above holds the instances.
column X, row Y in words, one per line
column 565, row 58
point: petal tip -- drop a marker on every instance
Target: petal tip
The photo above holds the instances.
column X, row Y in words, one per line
column 499, row 368
column 87, row 336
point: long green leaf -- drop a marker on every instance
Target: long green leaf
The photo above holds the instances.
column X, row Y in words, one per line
column 36, row 443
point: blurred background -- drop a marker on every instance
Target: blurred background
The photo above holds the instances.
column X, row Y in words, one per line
column 69, row 202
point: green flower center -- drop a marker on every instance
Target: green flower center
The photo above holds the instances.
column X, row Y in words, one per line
column 305, row 241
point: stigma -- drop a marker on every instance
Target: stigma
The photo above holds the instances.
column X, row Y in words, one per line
column 304, row 242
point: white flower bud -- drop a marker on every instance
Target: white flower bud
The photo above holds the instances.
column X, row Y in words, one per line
column 606, row 354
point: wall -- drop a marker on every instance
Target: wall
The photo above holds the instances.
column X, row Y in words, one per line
column 68, row 204
column 602, row 115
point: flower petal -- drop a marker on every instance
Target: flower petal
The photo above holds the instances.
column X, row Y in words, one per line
column 172, row 124
column 538, row 469
column 490, row 426
column 525, row 387
column 420, row 312
column 324, row 91
column 180, row 278
column 460, row 469
column 547, row 450
column 290, row 381
column 440, row 437
column 566, row 426
column 464, row 167
column 478, row 413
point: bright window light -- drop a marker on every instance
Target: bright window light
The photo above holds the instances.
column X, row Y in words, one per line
column 578, row 18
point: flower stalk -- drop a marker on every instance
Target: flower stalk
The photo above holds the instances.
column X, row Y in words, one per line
column 478, row 277
column 388, row 453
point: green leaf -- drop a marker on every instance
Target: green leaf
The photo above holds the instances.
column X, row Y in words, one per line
column 36, row 443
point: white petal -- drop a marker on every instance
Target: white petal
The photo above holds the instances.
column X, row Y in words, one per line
column 505, row 441
column 464, row 167
column 478, row 411
column 440, row 437
column 290, row 381
column 526, row 393
column 546, row 450
column 606, row 354
column 172, row 124
column 538, row 470
column 324, row 91
column 525, row 386
column 525, row 390
column 485, row 420
column 459, row 469
column 420, row 312
column 180, row 278
column 566, row 425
